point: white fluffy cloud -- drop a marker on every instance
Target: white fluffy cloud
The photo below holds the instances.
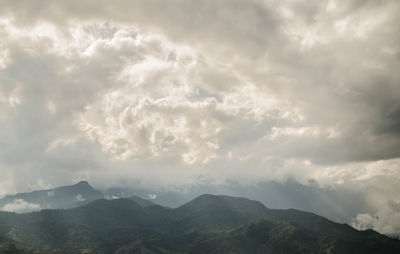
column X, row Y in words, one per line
column 20, row 206
column 185, row 92
column 79, row 198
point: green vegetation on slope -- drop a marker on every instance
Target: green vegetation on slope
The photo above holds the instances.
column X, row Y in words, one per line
column 208, row 224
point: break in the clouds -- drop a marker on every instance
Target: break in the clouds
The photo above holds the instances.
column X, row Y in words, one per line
column 176, row 93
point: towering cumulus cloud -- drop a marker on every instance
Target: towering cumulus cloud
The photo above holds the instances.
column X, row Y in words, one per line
column 184, row 92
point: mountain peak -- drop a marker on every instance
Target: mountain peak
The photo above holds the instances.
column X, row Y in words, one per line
column 58, row 198
column 210, row 210
column 83, row 183
column 227, row 201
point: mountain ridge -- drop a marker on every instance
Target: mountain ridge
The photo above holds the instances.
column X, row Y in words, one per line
column 207, row 224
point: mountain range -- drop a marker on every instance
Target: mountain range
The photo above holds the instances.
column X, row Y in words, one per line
column 339, row 206
column 206, row 224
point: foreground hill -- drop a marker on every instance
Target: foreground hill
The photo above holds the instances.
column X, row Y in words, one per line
column 207, row 224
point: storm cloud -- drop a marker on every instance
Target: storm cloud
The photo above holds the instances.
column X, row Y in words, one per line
column 180, row 93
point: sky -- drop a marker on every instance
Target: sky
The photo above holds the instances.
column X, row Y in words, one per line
column 182, row 93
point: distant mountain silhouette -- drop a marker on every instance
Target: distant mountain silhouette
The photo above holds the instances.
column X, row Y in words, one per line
column 163, row 198
column 207, row 224
column 59, row 198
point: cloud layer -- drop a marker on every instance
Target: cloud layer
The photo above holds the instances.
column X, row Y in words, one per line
column 179, row 93
column 20, row 206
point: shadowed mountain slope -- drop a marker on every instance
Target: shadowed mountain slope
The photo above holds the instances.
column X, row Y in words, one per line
column 207, row 224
